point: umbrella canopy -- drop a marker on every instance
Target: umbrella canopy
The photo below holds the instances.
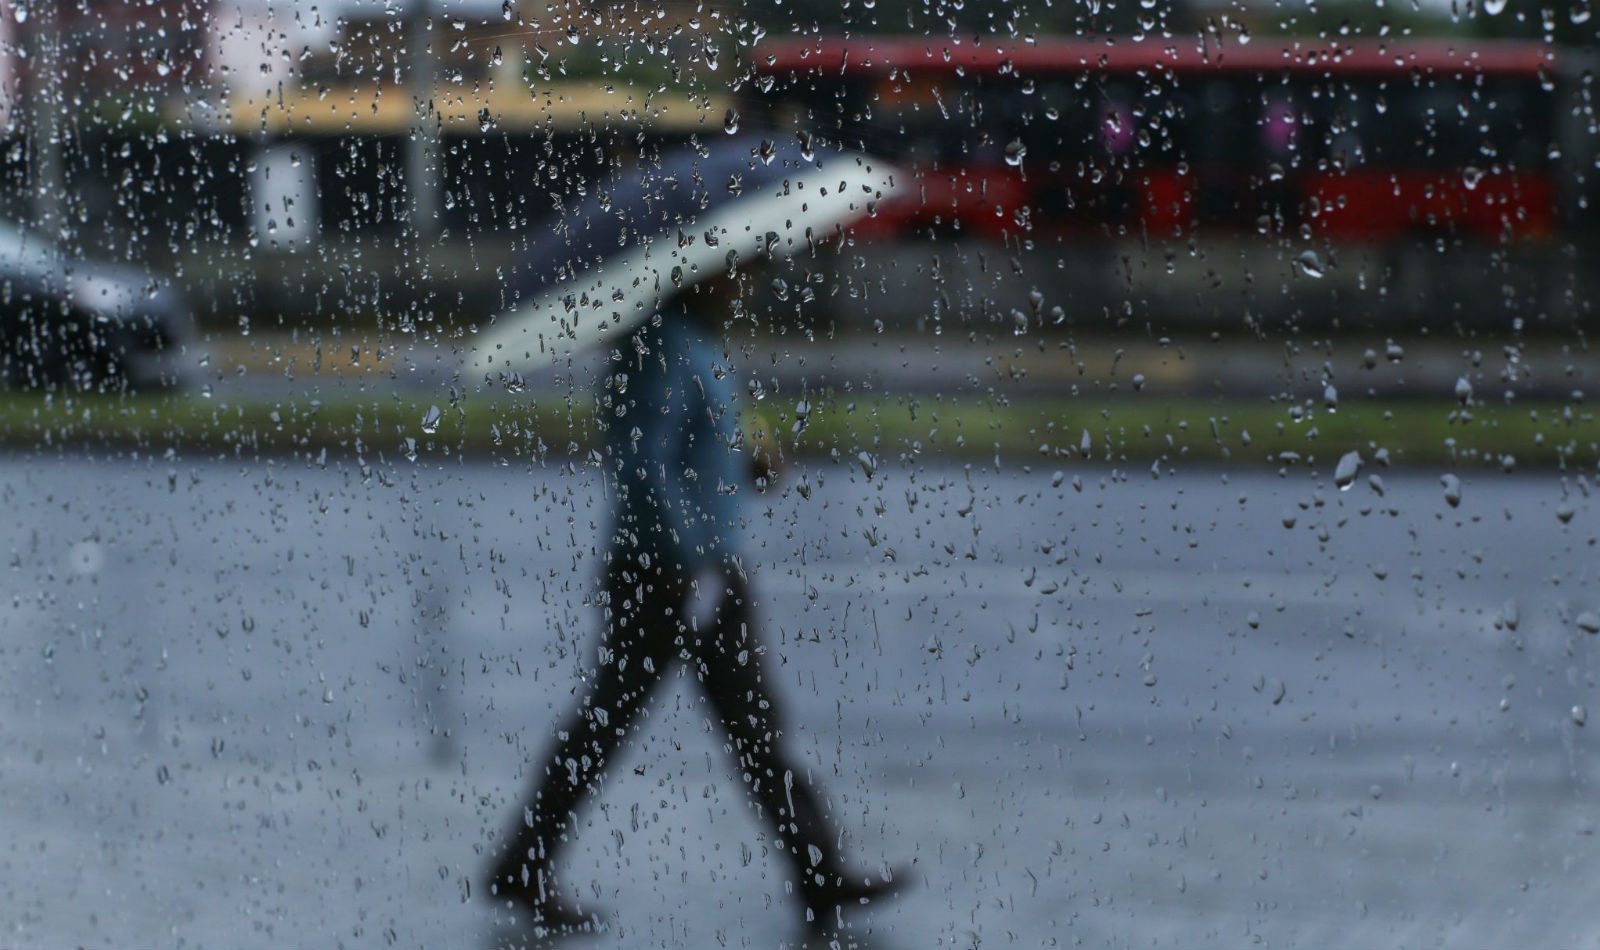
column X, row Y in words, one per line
column 666, row 226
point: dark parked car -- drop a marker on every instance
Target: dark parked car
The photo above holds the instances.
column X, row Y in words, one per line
column 76, row 323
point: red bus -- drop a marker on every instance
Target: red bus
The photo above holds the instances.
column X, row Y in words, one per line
column 1359, row 140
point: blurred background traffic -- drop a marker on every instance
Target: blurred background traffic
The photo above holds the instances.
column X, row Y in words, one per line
column 1196, row 199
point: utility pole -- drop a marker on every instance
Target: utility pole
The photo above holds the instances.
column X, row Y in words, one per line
column 41, row 62
column 422, row 146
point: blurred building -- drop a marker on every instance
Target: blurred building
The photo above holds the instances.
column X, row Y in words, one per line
column 141, row 47
column 254, row 43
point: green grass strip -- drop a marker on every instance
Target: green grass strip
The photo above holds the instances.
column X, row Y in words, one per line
column 1044, row 431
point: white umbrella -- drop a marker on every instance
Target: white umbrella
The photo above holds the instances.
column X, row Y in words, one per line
column 674, row 224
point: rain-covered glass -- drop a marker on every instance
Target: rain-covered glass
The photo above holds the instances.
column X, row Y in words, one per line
column 902, row 473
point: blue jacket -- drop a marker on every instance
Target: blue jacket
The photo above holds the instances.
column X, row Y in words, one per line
column 670, row 410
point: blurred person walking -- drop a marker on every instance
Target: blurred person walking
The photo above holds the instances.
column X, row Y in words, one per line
column 675, row 592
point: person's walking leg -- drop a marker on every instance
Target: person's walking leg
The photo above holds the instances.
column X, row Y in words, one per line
column 732, row 670
column 633, row 654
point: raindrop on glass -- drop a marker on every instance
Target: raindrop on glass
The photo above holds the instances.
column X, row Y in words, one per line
column 1452, row 489
column 1344, row 474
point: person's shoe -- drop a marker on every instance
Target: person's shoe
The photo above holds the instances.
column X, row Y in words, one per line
column 824, row 901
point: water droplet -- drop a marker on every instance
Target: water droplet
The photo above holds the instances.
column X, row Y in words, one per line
column 780, row 288
column 869, row 464
column 1510, row 615
column 1463, row 390
column 1580, row 716
column 1394, row 352
column 767, row 151
column 806, row 150
column 1470, row 176
column 1309, row 264
column 730, row 122
column 1015, row 152
column 430, row 420
column 1588, row 622
column 1344, row 474
column 1330, row 397
column 1494, row 7
column 1452, row 489
column 86, row 558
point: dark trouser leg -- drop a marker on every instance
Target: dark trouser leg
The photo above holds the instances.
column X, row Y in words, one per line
column 634, row 652
column 732, row 671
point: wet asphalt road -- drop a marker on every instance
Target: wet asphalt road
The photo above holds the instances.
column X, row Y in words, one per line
column 256, row 704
